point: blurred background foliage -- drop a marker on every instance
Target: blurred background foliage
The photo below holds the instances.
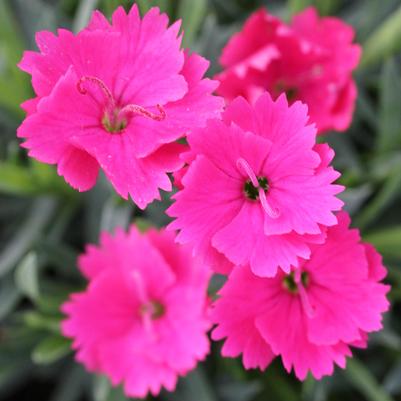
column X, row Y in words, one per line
column 44, row 224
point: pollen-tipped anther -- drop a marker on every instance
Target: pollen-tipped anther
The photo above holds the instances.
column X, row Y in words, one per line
column 134, row 109
column 106, row 91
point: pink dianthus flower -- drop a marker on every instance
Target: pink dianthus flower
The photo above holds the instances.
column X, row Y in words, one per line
column 260, row 189
column 142, row 319
column 310, row 317
column 311, row 60
column 117, row 97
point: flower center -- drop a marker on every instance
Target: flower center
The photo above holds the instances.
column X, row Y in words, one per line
column 290, row 91
column 113, row 124
column 296, row 283
column 290, row 284
column 251, row 191
column 154, row 309
column 255, row 188
column 115, row 119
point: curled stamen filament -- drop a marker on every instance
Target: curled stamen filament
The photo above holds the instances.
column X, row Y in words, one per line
column 308, row 308
column 273, row 212
column 106, row 91
column 141, row 111
column 246, row 169
column 130, row 109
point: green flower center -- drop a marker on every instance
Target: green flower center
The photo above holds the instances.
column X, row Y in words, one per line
column 251, row 191
column 154, row 308
column 290, row 284
column 114, row 125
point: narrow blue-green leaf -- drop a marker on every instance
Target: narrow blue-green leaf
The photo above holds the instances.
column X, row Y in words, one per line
column 240, row 391
column 195, row 382
column 103, row 391
column 386, row 241
column 360, row 377
column 71, row 385
column 9, row 297
column 389, row 129
column 392, row 381
column 40, row 214
column 388, row 193
column 83, row 14
column 26, row 276
column 51, row 349
column 384, row 41
column 355, row 197
column 192, row 13
column 115, row 214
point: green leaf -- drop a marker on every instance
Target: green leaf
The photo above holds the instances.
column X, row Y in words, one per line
column 38, row 321
column 240, row 391
column 355, row 197
column 360, row 377
column 387, row 194
column 51, row 349
column 9, row 297
column 384, row 41
column 387, row 241
column 392, row 381
column 71, row 385
column 40, row 214
column 194, row 383
column 83, row 14
column 26, row 276
column 146, row 5
column 192, row 13
column 37, row 178
column 14, row 83
column 390, row 108
column 116, row 214
column 324, row 7
column 142, row 224
column 103, row 391
column 16, row 180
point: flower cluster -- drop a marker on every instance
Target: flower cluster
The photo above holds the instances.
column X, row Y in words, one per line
column 257, row 195
column 310, row 60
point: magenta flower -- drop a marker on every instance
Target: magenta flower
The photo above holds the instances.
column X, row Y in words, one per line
column 259, row 190
column 117, row 97
column 309, row 317
column 311, row 60
column 142, row 319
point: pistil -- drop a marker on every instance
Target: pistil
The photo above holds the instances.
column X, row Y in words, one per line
column 256, row 188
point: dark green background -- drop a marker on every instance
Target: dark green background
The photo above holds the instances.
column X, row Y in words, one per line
column 44, row 224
